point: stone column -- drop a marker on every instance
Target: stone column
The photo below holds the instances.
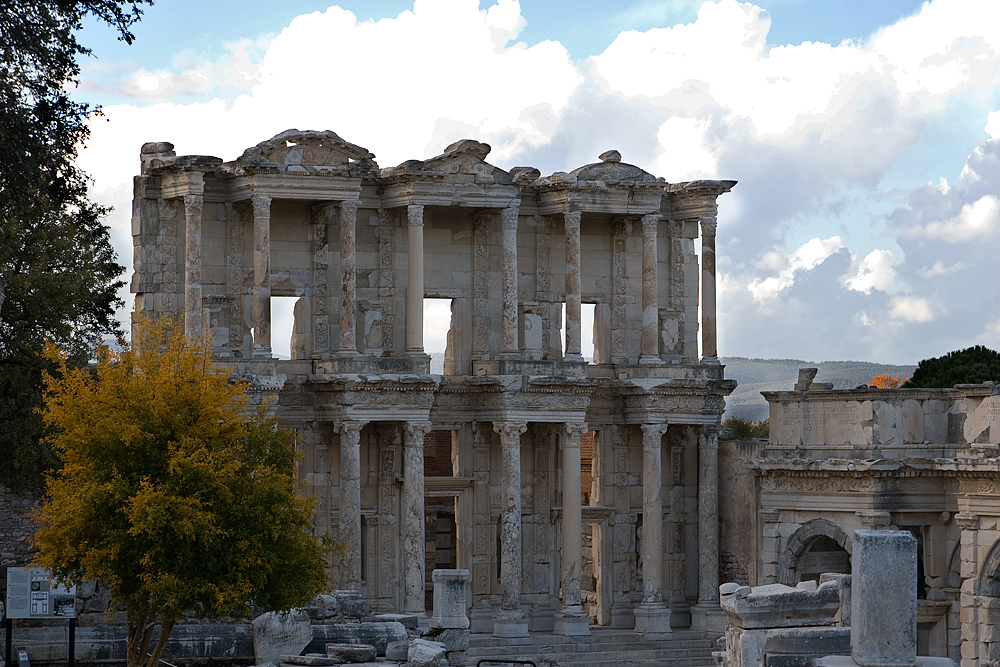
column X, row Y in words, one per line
column 652, row 617
column 350, row 504
column 414, row 552
column 348, row 279
column 508, row 224
column 709, row 340
column 571, row 220
column 650, row 293
column 510, row 620
column 707, row 615
column 194, row 327
column 969, row 568
column 261, row 276
column 572, row 619
column 415, row 281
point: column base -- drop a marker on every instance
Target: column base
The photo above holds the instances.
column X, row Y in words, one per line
column 509, row 623
column 572, row 357
column 652, row 620
column 708, row 617
column 710, row 361
column 572, row 622
column 650, row 359
column 264, row 352
column 481, row 619
column 348, row 353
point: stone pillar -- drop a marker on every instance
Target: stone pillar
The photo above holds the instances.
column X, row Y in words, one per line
column 194, row 327
column 707, row 614
column 650, row 293
column 348, row 279
column 261, row 276
column 572, row 619
column 350, row 504
column 652, row 617
column 510, row 620
column 969, row 569
column 450, row 592
column 709, row 340
column 508, row 224
column 571, row 220
column 884, row 598
column 415, row 281
column 414, row 552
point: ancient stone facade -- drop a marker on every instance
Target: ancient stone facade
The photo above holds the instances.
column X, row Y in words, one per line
column 919, row 460
column 309, row 215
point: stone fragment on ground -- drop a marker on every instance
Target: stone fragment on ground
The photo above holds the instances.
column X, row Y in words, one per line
column 276, row 634
column 344, row 653
column 425, row 653
column 309, row 660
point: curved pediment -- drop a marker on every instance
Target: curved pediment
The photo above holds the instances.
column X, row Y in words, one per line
column 307, row 152
column 462, row 160
column 611, row 170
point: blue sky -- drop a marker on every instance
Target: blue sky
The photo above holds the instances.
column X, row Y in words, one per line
column 863, row 133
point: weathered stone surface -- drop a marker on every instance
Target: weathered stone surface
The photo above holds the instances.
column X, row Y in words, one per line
column 780, row 606
column 377, row 634
column 397, row 650
column 423, row 653
column 798, row 647
column 276, row 634
column 884, row 598
column 409, row 621
column 309, row 660
column 450, row 590
column 454, row 639
column 338, row 606
column 350, row 652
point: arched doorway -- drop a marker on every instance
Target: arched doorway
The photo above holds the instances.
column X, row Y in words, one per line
column 818, row 546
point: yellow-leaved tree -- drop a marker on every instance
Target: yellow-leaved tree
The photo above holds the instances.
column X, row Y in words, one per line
column 173, row 491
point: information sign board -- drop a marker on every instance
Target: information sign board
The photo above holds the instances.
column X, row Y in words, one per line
column 32, row 593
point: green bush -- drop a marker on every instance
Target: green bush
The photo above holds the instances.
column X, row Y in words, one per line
column 972, row 365
column 742, row 428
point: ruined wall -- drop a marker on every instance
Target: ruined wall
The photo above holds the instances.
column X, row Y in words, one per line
column 739, row 546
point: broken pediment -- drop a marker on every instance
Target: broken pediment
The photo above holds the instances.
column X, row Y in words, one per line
column 612, row 171
column 462, row 161
column 293, row 151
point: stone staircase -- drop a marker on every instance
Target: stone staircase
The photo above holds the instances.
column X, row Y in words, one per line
column 606, row 647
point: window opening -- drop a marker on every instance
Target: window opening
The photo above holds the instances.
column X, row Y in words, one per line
column 586, row 330
column 282, row 323
column 437, row 324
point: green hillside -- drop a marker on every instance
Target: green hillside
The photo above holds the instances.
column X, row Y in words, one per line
column 756, row 375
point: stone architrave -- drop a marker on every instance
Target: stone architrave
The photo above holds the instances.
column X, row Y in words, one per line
column 650, row 353
column 415, row 281
column 348, row 278
column 571, row 220
column 414, row 549
column 261, row 276
column 652, row 617
column 709, row 339
column 884, row 598
column 510, row 620
column 508, row 331
column 572, row 619
column 450, row 589
column 276, row 634
column 350, row 503
column 194, row 326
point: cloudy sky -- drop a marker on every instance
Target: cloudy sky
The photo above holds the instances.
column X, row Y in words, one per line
column 865, row 135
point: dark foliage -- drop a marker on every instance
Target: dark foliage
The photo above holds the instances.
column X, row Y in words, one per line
column 972, row 365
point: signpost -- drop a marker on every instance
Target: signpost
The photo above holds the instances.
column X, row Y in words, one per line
column 32, row 593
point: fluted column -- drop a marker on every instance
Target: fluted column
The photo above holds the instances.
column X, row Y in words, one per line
column 572, row 619
column 709, row 330
column 414, row 551
column 652, row 617
column 348, row 278
column 650, row 294
column 510, row 620
column 571, row 220
column 707, row 614
column 508, row 224
column 261, row 311
column 350, row 503
column 415, row 281
column 194, row 326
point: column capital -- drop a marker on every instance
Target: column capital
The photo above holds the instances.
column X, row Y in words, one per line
column 261, row 206
column 193, row 204
column 351, row 430
column 651, row 431
column 415, row 430
column 349, row 207
column 708, row 225
column 510, row 432
column 508, row 217
column 575, row 430
column 572, row 219
column 415, row 214
column 649, row 222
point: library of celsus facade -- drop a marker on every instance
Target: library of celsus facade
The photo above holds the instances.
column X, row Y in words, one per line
column 574, row 492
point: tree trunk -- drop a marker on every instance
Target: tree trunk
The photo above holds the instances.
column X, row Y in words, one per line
column 165, row 629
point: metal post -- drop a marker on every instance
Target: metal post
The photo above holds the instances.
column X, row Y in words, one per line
column 72, row 641
column 7, row 625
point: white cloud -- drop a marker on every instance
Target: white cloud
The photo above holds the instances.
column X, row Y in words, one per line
column 977, row 219
column 910, row 309
column 875, row 272
column 807, row 257
column 939, row 269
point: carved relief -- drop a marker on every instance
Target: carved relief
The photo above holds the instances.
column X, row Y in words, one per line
column 481, row 284
column 386, row 277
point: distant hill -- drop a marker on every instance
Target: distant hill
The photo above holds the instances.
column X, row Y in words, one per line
column 756, row 375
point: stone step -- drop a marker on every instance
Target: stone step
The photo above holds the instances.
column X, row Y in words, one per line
column 623, row 645
column 666, row 654
column 624, row 650
column 577, row 660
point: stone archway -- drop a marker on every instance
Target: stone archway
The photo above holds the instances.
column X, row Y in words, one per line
column 799, row 542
